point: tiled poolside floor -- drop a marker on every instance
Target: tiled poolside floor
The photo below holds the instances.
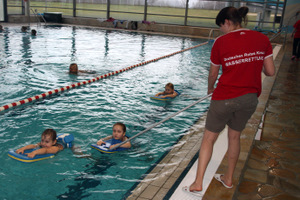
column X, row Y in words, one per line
column 267, row 169
column 273, row 168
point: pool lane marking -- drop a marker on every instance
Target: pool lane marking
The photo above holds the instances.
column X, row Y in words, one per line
column 44, row 95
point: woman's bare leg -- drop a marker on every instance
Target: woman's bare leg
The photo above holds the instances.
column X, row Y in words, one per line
column 233, row 155
column 205, row 153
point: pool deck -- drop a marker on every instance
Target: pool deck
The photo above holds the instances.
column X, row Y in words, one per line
column 268, row 165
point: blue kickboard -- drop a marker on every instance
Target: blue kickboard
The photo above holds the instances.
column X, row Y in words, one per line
column 64, row 139
column 24, row 158
column 105, row 147
column 164, row 99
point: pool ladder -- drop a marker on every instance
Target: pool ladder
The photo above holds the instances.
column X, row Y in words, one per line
column 37, row 17
column 210, row 33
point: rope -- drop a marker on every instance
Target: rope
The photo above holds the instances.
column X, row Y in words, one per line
column 162, row 121
column 44, row 95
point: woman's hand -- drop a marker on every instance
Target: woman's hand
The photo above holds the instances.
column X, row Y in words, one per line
column 211, row 90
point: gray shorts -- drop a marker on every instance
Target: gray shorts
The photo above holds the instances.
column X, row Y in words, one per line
column 234, row 112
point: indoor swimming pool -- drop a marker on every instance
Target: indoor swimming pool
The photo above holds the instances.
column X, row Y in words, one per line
column 32, row 65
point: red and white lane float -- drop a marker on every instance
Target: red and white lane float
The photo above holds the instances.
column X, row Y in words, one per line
column 44, row 95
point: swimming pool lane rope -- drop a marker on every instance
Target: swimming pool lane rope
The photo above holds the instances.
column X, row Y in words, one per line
column 162, row 121
column 56, row 91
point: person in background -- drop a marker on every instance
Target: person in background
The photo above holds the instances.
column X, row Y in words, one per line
column 243, row 54
column 73, row 69
column 33, row 32
column 24, row 29
column 296, row 41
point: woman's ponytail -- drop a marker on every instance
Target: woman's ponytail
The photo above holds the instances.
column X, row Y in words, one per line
column 243, row 11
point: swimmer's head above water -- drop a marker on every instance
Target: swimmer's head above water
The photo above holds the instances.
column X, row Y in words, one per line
column 73, row 69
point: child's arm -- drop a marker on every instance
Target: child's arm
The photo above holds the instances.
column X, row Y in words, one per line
column 102, row 140
column 125, row 145
column 41, row 151
column 170, row 95
column 87, row 71
column 30, row 146
column 160, row 93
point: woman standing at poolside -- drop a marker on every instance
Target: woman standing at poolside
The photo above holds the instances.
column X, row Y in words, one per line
column 243, row 55
column 296, row 41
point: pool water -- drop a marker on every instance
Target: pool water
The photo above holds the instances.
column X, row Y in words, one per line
column 31, row 65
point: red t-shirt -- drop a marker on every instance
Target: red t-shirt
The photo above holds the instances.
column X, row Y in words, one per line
column 241, row 54
column 297, row 27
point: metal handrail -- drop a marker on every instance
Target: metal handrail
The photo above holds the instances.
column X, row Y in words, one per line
column 210, row 33
column 279, row 32
column 38, row 19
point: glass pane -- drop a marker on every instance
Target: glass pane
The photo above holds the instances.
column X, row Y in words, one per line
column 201, row 22
column 200, row 13
column 165, row 10
column 127, row 16
column 181, row 4
column 91, row 13
column 127, row 7
column 175, row 9
column 203, row 13
column 64, row 6
column 14, row 7
column 91, row 8
column 134, row 10
column 166, row 19
column 64, row 11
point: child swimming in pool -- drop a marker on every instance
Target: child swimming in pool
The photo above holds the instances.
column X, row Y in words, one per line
column 119, row 133
column 169, row 91
column 33, row 32
column 73, row 69
column 47, row 145
column 24, row 29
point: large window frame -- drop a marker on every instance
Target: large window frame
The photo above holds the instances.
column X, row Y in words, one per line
column 263, row 13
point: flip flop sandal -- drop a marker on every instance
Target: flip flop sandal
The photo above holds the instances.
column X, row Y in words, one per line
column 195, row 193
column 218, row 178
